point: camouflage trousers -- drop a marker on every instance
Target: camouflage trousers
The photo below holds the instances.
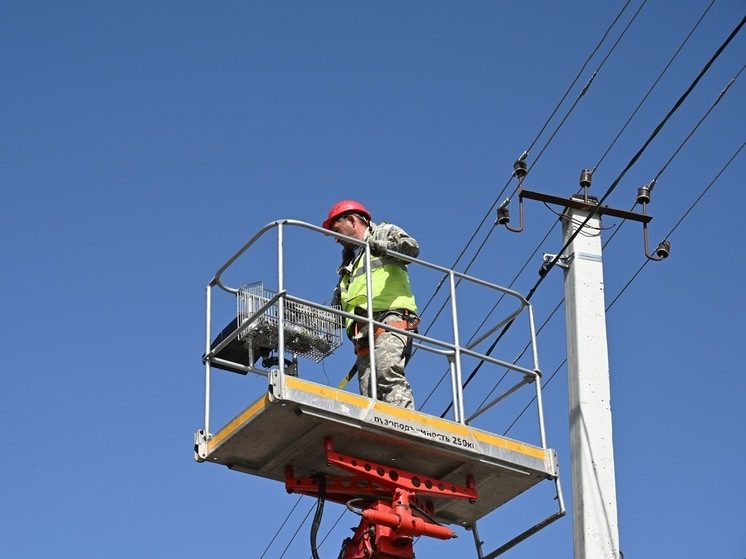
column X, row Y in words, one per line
column 392, row 386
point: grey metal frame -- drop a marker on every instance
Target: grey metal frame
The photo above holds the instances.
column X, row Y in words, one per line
column 561, row 510
column 452, row 351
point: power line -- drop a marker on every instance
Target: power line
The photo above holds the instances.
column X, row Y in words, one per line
column 523, row 352
column 652, row 87
column 653, row 183
column 583, row 91
column 585, row 88
column 613, row 186
column 639, row 153
column 458, row 282
column 592, row 213
column 280, row 528
column 531, row 146
column 580, row 72
column 313, row 505
column 548, row 142
column 536, row 160
column 502, row 296
column 694, row 204
column 658, row 175
column 468, row 243
column 629, row 119
column 502, row 192
column 701, row 120
column 637, row 273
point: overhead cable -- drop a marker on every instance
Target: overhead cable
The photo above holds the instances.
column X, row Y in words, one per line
column 313, row 506
column 531, row 146
column 577, row 76
column 639, row 105
column 653, row 183
column 701, row 120
column 546, row 144
column 611, row 237
column 629, row 119
column 694, row 204
column 583, row 91
column 608, row 192
column 523, row 351
column 277, row 532
column 652, row 87
column 637, row 273
column 431, row 322
column 502, row 296
column 639, row 153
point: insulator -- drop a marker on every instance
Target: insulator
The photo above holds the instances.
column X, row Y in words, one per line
column 503, row 215
column 663, row 250
column 586, row 177
column 643, row 195
column 520, row 168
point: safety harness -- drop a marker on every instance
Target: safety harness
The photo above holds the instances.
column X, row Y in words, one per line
column 409, row 322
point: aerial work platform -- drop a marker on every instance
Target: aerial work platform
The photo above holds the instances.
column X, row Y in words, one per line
column 459, row 473
column 287, row 426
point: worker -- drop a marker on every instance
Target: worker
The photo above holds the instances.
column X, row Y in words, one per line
column 393, row 301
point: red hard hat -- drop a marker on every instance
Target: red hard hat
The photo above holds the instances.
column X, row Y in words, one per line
column 343, row 207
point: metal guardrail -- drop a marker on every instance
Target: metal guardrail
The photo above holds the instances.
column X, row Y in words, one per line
column 453, row 350
column 275, row 305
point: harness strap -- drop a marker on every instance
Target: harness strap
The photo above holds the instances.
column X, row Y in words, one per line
column 361, row 346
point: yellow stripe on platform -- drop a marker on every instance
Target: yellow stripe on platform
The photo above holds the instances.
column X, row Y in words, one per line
column 494, row 440
column 327, row 392
column 461, row 430
column 415, row 417
column 236, row 423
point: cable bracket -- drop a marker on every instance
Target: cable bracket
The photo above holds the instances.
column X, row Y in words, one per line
column 563, row 261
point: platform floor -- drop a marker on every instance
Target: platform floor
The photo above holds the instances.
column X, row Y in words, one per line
column 288, row 424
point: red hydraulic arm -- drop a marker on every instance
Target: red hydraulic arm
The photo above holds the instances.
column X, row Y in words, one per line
column 392, row 516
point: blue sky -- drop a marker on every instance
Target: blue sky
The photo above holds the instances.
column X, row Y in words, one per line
column 142, row 143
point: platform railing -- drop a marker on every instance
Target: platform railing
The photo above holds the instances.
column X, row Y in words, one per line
column 453, row 351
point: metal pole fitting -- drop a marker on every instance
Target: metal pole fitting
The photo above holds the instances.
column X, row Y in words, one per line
column 520, row 169
column 586, row 178
column 643, row 195
column 503, row 215
column 663, row 249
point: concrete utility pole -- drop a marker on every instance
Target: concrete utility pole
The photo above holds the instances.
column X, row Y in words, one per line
column 594, row 518
column 595, row 527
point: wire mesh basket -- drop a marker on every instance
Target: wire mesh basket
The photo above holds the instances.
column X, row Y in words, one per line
column 309, row 332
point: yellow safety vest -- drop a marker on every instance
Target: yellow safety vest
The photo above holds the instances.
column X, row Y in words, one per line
column 390, row 282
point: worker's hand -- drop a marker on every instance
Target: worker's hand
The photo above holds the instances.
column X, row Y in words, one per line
column 378, row 247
